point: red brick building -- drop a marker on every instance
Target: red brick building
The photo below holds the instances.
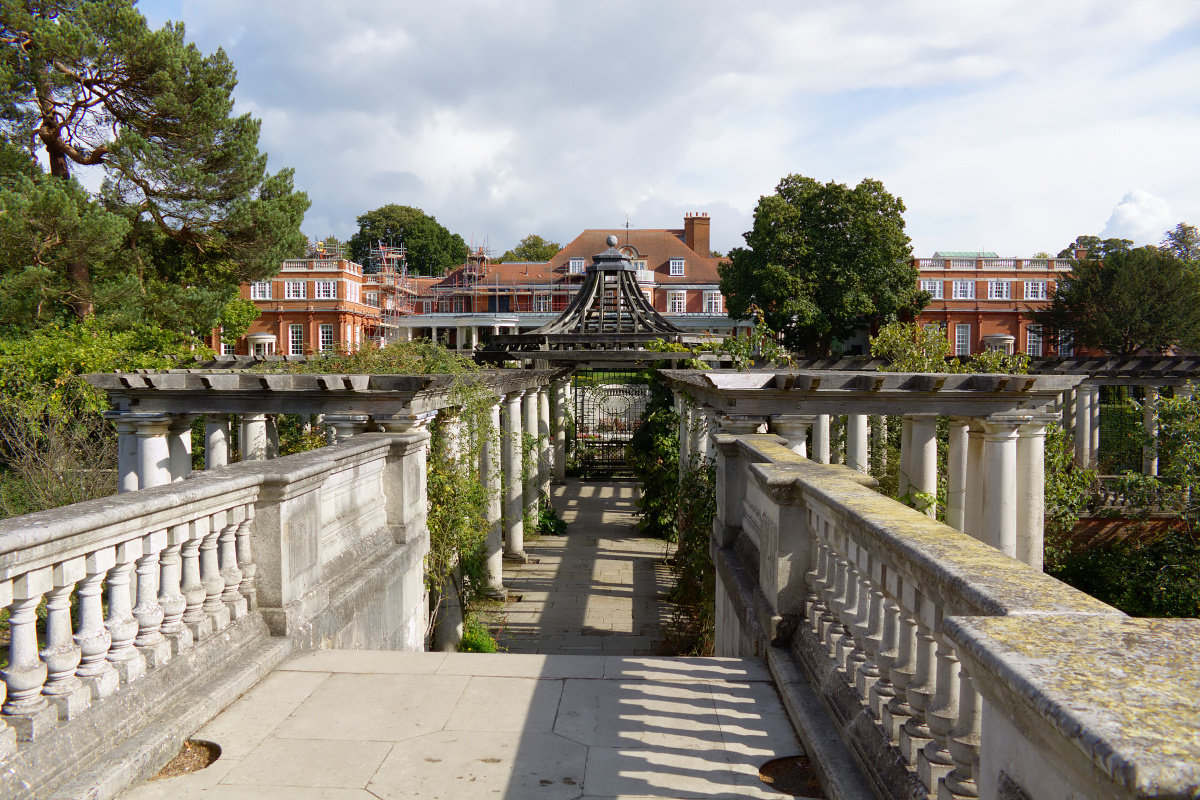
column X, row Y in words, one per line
column 981, row 299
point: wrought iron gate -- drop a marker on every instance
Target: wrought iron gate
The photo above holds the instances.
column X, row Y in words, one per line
column 608, row 409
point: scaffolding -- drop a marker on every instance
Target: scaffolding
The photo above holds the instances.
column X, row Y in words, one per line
column 386, row 274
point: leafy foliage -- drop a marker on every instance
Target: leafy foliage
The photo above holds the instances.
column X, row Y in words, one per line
column 760, row 348
column 910, row 347
column 417, row 357
column 1097, row 248
column 1183, row 242
column 476, row 637
column 1134, row 300
column 531, row 248
column 693, row 621
column 653, row 454
column 1176, row 489
column 430, row 248
column 822, row 261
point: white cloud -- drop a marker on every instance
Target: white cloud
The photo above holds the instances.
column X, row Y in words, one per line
column 1139, row 216
column 1009, row 124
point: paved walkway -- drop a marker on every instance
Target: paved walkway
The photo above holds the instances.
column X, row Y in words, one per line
column 356, row 725
column 601, row 589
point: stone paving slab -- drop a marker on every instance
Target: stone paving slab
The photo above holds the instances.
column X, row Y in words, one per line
column 464, row 726
column 599, row 589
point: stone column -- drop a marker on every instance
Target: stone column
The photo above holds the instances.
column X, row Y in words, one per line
column 1095, row 431
column 837, row 453
column 922, row 472
column 272, row 436
column 905, row 454
column 433, row 334
column 685, row 431
column 344, row 426
column 1085, row 395
column 976, row 480
column 560, row 430
column 216, row 440
column 956, row 479
column 154, row 456
column 1150, row 423
column 179, row 446
column 127, row 451
column 856, row 442
column 529, row 405
column 1068, row 411
column 820, row 446
column 544, row 442
column 1031, row 489
column 514, row 506
column 254, row 437
column 1000, row 493
column 794, row 428
column 491, row 476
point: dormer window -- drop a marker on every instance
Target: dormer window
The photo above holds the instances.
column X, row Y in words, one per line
column 676, row 266
column 575, row 266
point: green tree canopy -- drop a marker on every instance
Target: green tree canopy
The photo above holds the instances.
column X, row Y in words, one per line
column 1132, row 301
column 1183, row 242
column 92, row 85
column 531, row 248
column 823, row 260
column 1096, row 247
column 430, row 248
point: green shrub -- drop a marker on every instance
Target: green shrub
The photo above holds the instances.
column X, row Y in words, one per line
column 476, row 638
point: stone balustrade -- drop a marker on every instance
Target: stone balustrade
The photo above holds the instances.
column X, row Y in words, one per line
column 928, row 645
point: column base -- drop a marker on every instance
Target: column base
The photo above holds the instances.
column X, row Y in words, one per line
column 239, row 608
column 933, row 764
column 219, row 617
column 496, row 593
column 200, row 629
column 518, row 557
column 180, row 640
column 910, row 745
column 156, row 654
column 104, row 684
column 34, row 724
column 131, row 668
column 73, row 703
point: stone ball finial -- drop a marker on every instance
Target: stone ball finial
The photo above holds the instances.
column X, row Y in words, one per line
column 612, row 240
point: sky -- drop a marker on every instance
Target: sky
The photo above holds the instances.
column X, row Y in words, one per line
column 1004, row 125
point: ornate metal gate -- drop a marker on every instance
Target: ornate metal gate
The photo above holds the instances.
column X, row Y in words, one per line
column 608, row 409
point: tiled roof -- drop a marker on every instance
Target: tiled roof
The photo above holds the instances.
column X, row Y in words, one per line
column 657, row 246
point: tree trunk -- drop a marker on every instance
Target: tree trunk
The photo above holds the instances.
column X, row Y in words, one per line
column 77, row 271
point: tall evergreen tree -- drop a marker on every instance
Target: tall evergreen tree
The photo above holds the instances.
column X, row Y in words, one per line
column 92, row 85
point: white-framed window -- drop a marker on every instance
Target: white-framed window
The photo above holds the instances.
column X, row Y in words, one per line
column 373, row 299
column 353, row 291
column 677, row 302
column 458, row 305
column 293, row 290
column 575, row 266
column 1033, row 340
column 326, row 336
column 541, row 303
column 296, row 340
column 713, row 303
column 649, row 296
column 964, row 290
column 1035, row 290
column 676, row 266
column 999, row 290
column 226, row 349
column 260, row 290
column 934, row 288
column 962, row 339
column 325, row 290
column 1066, row 343
column 426, row 306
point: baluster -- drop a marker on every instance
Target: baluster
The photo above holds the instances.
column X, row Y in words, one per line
column 904, row 669
column 153, row 646
column 872, row 636
column 26, row 707
column 198, row 623
column 8, row 734
column 232, row 595
column 882, row 692
column 836, row 604
column 210, row 573
column 934, row 761
column 125, row 658
column 915, row 733
column 245, row 558
column 825, row 591
column 814, row 606
column 855, row 622
column 61, row 654
column 170, row 596
column 963, row 744
column 93, row 637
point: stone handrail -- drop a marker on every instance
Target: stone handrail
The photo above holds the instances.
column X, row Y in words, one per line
column 181, row 563
column 928, row 644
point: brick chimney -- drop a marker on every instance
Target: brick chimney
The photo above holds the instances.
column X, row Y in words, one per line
column 695, row 233
column 1081, row 254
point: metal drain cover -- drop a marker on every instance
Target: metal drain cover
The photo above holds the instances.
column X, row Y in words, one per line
column 791, row 775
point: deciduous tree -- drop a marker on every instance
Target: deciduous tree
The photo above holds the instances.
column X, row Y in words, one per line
column 1183, row 242
column 531, row 248
column 431, row 249
column 822, row 261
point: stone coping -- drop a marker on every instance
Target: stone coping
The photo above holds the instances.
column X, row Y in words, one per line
column 1124, row 691
column 33, row 540
column 968, row 576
